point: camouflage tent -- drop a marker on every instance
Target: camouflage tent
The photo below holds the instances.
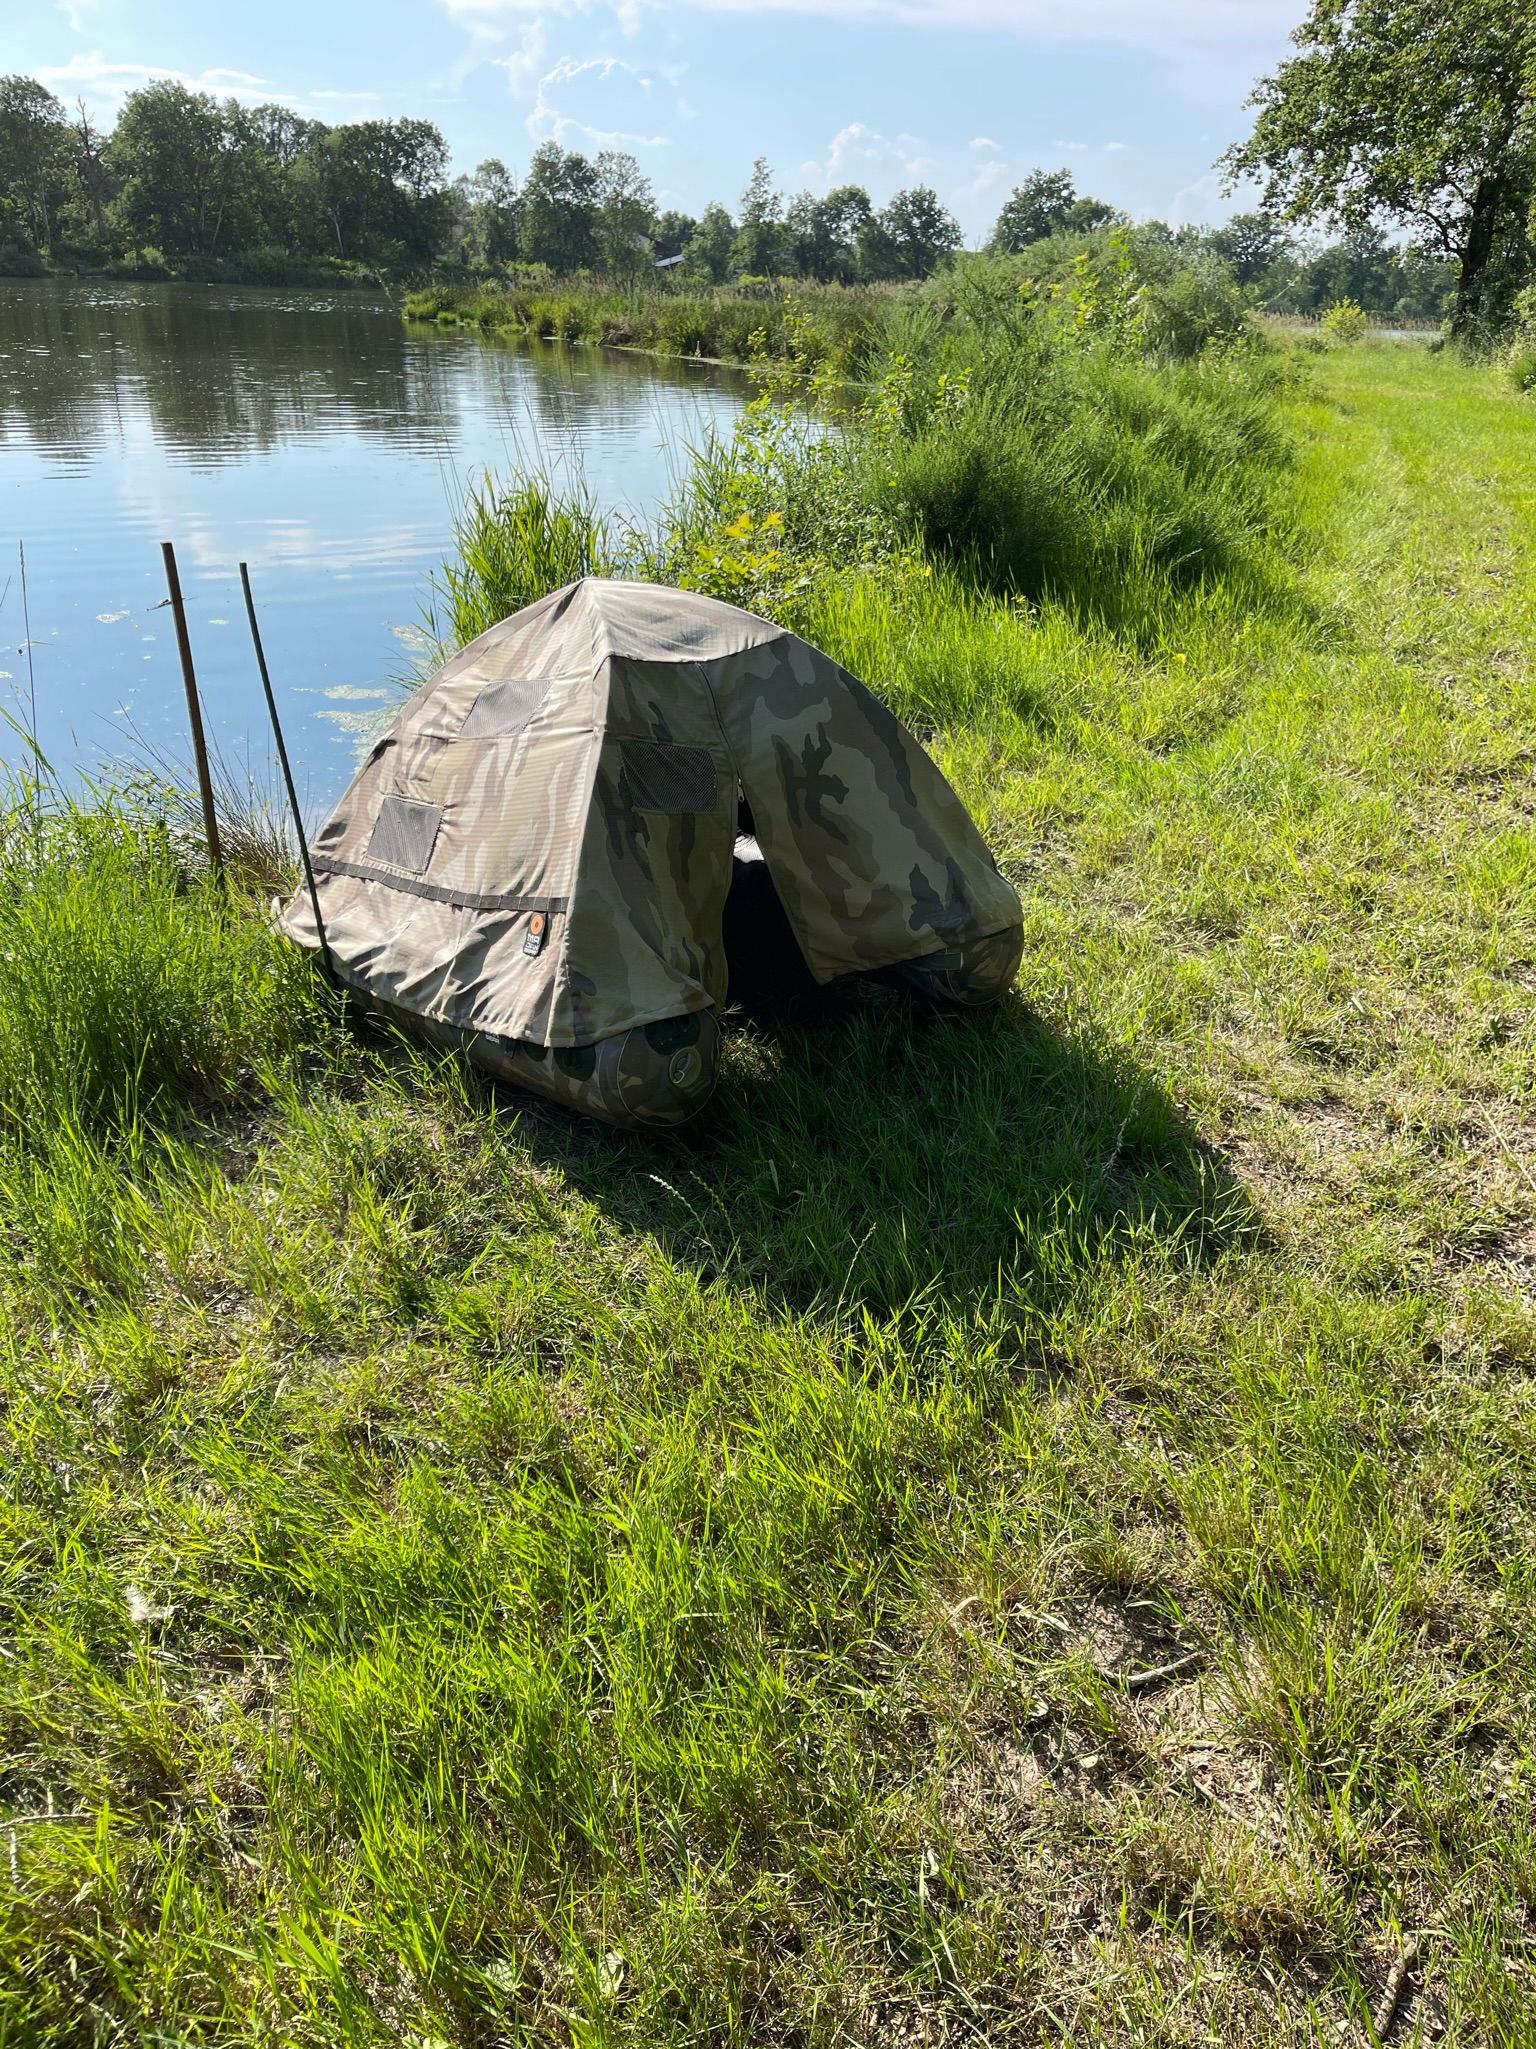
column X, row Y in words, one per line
column 534, row 861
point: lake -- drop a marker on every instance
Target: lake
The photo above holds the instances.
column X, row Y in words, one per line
column 313, row 435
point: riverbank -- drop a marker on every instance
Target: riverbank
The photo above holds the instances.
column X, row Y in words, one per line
column 1015, row 1527
column 1183, row 301
column 275, row 267
column 839, row 326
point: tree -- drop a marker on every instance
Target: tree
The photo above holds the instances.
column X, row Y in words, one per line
column 1251, row 244
column 820, row 236
column 1039, row 207
column 559, row 223
column 625, row 204
column 1086, row 215
column 844, row 213
column 1420, row 113
column 377, row 186
column 712, row 245
column 272, row 142
column 34, row 160
column 758, row 236
column 910, row 237
column 671, row 232
column 174, row 153
column 91, row 169
column 1359, row 266
column 494, row 211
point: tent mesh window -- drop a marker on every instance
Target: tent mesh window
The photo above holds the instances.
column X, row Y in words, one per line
column 662, row 778
column 404, row 834
column 502, row 708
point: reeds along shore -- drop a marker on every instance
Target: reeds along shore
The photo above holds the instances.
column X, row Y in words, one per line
column 1186, row 295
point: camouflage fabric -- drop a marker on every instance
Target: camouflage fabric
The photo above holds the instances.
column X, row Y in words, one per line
column 539, row 849
column 650, row 1076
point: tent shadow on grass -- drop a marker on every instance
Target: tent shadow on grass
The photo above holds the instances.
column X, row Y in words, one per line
column 863, row 1152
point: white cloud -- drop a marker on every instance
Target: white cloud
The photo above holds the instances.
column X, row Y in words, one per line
column 523, row 65
column 988, row 177
column 89, row 72
column 861, row 155
column 595, row 93
column 104, row 86
column 482, row 17
column 985, row 142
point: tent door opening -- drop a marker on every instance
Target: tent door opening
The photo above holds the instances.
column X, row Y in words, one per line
column 764, row 963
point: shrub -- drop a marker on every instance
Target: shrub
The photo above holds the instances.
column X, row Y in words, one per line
column 1046, row 466
column 1344, row 324
column 1522, row 348
column 18, row 262
column 148, row 266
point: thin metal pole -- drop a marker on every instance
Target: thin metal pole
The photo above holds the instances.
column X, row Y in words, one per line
column 326, row 960
column 26, row 627
column 194, row 711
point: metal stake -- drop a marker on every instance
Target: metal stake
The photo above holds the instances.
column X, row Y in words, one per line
column 326, row 960
column 194, row 711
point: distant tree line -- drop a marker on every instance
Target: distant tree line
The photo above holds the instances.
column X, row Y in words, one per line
column 192, row 181
column 191, row 177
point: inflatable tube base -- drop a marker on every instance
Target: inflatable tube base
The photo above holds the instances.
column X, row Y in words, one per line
column 649, row 1077
column 966, row 977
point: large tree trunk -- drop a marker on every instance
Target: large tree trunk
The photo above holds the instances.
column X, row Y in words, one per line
column 1476, row 251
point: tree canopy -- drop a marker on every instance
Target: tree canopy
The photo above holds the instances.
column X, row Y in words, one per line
column 1046, row 203
column 1417, row 113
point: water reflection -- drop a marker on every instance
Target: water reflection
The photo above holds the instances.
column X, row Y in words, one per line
column 312, row 435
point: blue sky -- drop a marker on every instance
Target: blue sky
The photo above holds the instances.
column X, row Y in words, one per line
column 1137, row 97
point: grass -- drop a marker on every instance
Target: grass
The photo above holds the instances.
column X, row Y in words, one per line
column 468, row 1578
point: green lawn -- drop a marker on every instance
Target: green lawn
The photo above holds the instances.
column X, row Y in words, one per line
column 469, row 1578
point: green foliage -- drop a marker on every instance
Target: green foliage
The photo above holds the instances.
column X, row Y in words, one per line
column 1126, row 286
column 1033, row 439
column 1046, row 204
column 558, row 213
column 1344, row 323
column 17, row 262
column 709, row 249
column 493, row 209
column 841, row 329
column 1421, row 112
column 911, row 237
column 759, row 227
column 132, row 982
column 34, row 164
column 1077, row 473
column 511, row 546
column 1522, row 351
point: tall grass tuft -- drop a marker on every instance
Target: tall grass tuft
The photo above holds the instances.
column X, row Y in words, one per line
column 511, row 545
column 133, row 983
column 1044, row 444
